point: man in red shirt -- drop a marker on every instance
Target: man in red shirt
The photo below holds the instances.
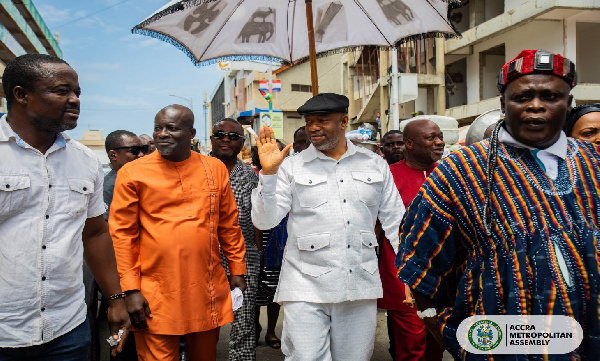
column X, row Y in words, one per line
column 424, row 146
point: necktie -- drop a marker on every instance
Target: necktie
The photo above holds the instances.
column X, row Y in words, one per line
column 535, row 152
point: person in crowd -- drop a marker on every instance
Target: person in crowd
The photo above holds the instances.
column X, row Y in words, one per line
column 271, row 245
column 171, row 212
column 409, row 340
column 227, row 140
column 122, row 147
column 51, row 218
column 392, row 146
column 301, row 141
column 149, row 141
column 333, row 192
column 505, row 226
column 583, row 123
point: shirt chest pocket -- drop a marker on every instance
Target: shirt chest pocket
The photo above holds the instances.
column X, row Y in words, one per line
column 311, row 189
column 79, row 195
column 14, row 194
column 368, row 187
column 315, row 254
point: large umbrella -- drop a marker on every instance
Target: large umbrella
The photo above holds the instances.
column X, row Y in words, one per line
column 212, row 30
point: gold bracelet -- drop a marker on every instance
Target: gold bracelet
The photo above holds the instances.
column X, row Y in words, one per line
column 116, row 296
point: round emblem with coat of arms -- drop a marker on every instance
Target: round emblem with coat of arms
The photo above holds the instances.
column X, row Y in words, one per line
column 485, row 335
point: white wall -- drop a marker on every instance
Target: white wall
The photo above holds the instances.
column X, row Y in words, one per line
column 511, row 4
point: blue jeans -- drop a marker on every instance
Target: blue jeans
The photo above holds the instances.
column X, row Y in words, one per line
column 72, row 346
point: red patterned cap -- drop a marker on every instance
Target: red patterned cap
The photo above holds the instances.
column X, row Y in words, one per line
column 538, row 62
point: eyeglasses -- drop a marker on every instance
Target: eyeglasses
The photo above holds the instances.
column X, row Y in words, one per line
column 233, row 136
column 136, row 149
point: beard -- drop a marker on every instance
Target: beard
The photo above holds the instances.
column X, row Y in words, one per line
column 51, row 125
column 327, row 144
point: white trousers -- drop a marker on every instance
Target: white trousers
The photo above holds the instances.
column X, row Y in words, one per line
column 329, row 331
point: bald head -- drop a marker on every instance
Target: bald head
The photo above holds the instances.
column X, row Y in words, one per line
column 183, row 114
column 413, row 128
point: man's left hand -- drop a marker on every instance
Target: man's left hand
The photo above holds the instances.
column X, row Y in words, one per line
column 119, row 320
column 237, row 281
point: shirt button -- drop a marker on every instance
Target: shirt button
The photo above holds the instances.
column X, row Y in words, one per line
column 84, row 189
column 348, row 222
column 350, row 271
column 8, row 186
column 50, row 186
column 43, row 278
column 344, row 201
column 309, row 182
column 47, row 216
column 370, row 244
column 312, row 246
column 44, row 247
column 43, row 309
column 341, row 181
column 368, row 179
column 348, row 246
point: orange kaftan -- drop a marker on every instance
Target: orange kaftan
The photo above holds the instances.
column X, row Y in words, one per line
column 167, row 220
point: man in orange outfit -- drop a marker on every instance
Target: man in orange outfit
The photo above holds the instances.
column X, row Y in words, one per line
column 171, row 211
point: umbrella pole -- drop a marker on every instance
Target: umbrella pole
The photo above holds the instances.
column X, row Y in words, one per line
column 311, row 48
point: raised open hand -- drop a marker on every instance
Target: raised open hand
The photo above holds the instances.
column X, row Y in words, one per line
column 268, row 151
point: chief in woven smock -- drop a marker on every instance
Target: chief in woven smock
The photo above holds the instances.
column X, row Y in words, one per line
column 511, row 225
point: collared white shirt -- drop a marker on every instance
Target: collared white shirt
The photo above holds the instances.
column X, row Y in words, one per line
column 549, row 156
column 45, row 200
column 333, row 205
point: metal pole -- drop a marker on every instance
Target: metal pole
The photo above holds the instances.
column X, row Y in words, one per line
column 314, row 78
column 395, row 105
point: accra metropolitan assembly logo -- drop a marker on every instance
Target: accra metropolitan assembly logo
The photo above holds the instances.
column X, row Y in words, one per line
column 485, row 335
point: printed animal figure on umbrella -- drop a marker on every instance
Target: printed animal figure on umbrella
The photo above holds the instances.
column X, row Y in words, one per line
column 201, row 18
column 395, row 8
column 264, row 29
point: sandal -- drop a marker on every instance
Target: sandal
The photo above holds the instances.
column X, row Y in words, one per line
column 275, row 343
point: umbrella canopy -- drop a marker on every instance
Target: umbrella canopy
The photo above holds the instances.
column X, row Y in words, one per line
column 210, row 30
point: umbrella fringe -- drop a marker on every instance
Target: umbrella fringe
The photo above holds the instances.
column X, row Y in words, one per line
column 180, row 6
column 190, row 55
column 255, row 58
column 166, row 39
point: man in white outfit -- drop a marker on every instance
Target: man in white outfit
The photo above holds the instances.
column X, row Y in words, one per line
column 334, row 192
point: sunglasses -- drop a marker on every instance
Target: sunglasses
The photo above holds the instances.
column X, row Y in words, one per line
column 136, row 149
column 233, row 136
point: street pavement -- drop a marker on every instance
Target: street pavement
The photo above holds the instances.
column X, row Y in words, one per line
column 265, row 353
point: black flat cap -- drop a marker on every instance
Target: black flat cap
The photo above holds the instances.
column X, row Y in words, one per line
column 325, row 103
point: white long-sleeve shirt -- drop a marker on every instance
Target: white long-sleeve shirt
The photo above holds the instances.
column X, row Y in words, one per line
column 333, row 205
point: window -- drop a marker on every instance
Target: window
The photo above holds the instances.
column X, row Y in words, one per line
column 301, row 88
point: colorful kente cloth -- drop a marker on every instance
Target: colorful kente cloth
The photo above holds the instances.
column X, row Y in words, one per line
column 445, row 254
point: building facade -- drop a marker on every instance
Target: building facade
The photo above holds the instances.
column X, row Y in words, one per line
column 495, row 31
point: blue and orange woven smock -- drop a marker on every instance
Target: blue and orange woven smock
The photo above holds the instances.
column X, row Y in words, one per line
column 446, row 255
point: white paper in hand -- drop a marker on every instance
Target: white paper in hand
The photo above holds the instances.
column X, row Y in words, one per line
column 236, row 298
column 112, row 342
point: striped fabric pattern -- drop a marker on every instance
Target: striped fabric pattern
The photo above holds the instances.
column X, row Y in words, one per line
column 536, row 222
